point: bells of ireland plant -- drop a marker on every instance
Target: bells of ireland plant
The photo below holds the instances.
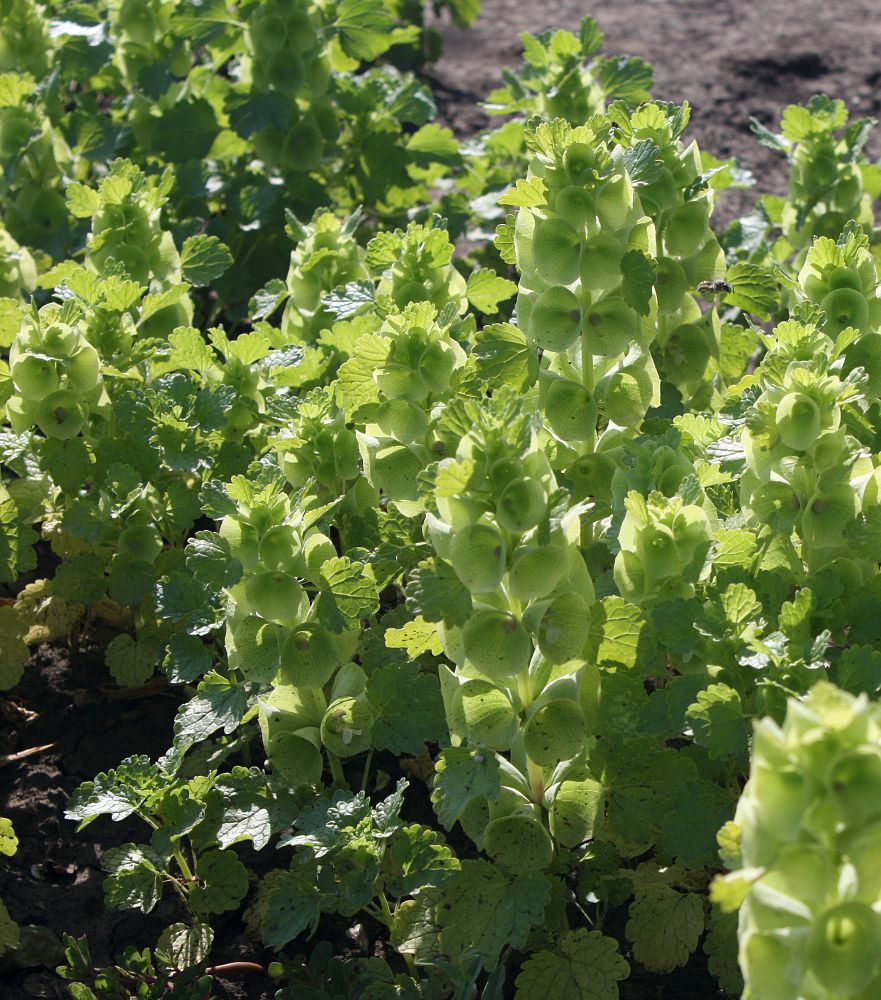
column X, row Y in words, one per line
column 586, row 252
column 664, row 545
column 56, row 375
column 840, row 276
column 325, row 257
column 18, row 273
column 677, row 196
column 829, row 182
column 806, row 877
column 508, row 546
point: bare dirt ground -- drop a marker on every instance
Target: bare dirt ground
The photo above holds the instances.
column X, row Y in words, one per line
column 731, row 59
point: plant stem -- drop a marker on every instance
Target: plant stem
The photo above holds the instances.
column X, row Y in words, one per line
column 186, row 871
column 387, row 917
column 533, row 770
column 366, row 773
column 336, row 769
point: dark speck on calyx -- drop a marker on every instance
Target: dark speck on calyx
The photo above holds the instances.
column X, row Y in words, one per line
column 575, row 315
column 595, row 319
column 509, row 624
column 60, row 414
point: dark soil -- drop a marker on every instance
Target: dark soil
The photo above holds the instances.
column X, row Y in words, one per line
column 54, row 883
column 732, row 59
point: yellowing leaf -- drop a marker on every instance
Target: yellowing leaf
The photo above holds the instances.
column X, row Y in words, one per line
column 417, row 637
column 525, row 193
column 8, row 839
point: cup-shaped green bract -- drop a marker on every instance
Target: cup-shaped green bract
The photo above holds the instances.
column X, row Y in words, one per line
column 591, row 476
column 61, row 414
column 268, row 28
column 347, row 725
column 477, row 552
column 518, row 842
column 691, row 529
column 555, row 250
column 854, row 781
column 35, row 376
column 243, row 541
column 489, row 716
column 301, row 30
column 765, row 961
column 535, row 571
column 564, row 627
column 521, row 504
column 600, row 267
column 436, row 364
column 140, row 542
column 827, row 512
column 844, row 307
column 576, row 204
column 576, row 811
column 628, row 395
column 802, row 871
column 686, row 353
column 279, row 547
column 284, row 71
column 302, row 146
column 402, row 420
column 317, row 549
column 662, row 194
column 496, row 643
column 274, row 595
column 844, row 949
column 671, row 284
column 657, row 551
column 258, row 648
column 611, row 326
column 296, row 758
column 555, row 732
column 393, row 470
column 83, row 369
column 579, row 162
column 615, row 202
column 798, row 421
column 309, row 656
column 570, row 410
column 686, row 229
column 554, row 322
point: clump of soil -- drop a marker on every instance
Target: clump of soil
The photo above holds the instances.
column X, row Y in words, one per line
column 53, row 884
column 731, row 60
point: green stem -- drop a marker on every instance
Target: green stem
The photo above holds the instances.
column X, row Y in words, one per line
column 534, row 771
column 186, row 871
column 366, row 773
column 588, row 379
column 387, row 917
column 336, row 769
